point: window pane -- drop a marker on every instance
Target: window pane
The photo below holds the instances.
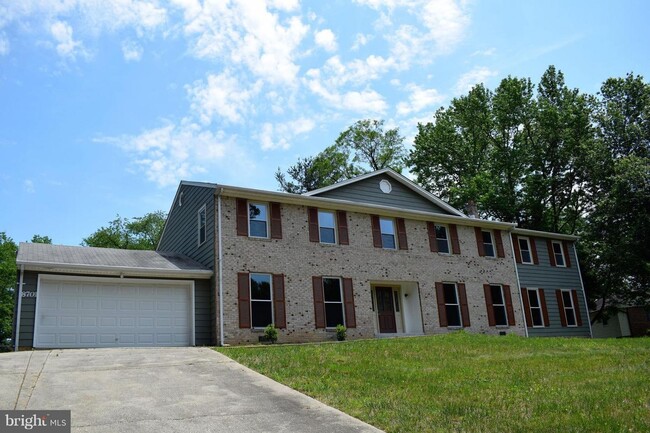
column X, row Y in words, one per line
column 497, row 296
column 332, row 289
column 258, row 229
column 443, row 245
column 453, row 315
column 441, row 232
column 559, row 256
column 525, row 256
column 333, row 315
column 537, row 317
column 261, row 314
column 386, row 226
column 388, row 241
column 570, row 319
column 450, row 293
column 524, row 247
column 500, row 316
column 566, row 298
column 326, row 219
column 489, row 250
column 532, row 298
column 261, row 287
column 258, row 218
column 487, row 238
column 327, row 235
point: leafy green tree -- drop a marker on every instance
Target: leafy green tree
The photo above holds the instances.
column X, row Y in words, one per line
column 38, row 239
column 8, row 250
column 362, row 147
column 141, row 233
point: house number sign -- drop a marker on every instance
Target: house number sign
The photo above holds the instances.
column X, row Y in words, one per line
column 29, row 294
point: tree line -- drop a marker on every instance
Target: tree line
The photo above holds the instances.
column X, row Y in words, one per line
column 545, row 156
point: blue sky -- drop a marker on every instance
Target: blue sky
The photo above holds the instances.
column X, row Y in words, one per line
column 106, row 106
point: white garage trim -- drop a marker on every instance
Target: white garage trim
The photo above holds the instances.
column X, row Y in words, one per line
column 116, row 281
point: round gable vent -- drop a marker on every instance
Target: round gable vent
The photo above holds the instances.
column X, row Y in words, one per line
column 385, row 186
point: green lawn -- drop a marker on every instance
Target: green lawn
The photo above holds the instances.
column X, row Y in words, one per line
column 472, row 383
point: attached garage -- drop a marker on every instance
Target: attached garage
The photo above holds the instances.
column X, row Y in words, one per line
column 127, row 299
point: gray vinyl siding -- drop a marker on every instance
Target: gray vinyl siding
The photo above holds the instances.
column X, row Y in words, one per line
column 181, row 230
column 202, row 310
column 551, row 278
column 367, row 191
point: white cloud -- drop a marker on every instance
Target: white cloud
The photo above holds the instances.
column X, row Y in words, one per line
column 174, row 152
column 132, row 51
column 29, row 186
column 469, row 79
column 486, row 53
column 326, row 40
column 280, row 136
column 66, row 46
column 4, row 45
column 418, row 100
column 222, row 96
column 360, row 40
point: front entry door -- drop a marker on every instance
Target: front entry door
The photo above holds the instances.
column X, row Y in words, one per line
column 386, row 310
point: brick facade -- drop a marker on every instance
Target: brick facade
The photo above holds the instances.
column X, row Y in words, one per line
column 299, row 259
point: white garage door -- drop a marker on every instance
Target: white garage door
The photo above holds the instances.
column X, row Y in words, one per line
column 100, row 313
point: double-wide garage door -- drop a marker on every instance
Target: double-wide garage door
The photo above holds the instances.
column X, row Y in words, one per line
column 102, row 312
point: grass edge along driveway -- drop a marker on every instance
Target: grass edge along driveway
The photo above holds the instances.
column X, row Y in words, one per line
column 468, row 382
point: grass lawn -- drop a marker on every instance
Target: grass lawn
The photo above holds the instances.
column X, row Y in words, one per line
column 473, row 383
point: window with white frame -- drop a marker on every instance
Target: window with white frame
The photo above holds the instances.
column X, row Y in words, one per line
column 387, row 227
column 569, row 309
column 525, row 251
column 333, row 299
column 498, row 305
column 488, row 243
column 258, row 220
column 442, row 239
column 261, row 300
column 452, row 306
column 558, row 252
column 327, row 227
column 202, row 225
column 535, row 308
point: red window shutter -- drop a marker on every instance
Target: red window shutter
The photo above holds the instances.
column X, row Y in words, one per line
column 342, row 221
column 567, row 258
column 401, row 234
column 376, row 231
column 442, row 312
column 499, row 241
column 319, row 304
column 509, row 309
column 560, row 306
column 464, row 309
column 244, row 299
column 242, row 217
column 431, row 231
column 533, row 250
column 312, row 214
column 542, row 303
column 515, row 245
column 576, row 306
column 278, row 301
column 551, row 254
column 479, row 241
column 276, row 221
column 455, row 244
column 348, row 299
column 526, row 302
column 488, row 304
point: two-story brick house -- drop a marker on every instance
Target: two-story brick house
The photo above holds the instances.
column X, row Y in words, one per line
column 376, row 253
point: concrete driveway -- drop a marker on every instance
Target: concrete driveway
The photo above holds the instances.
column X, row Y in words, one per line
column 161, row 390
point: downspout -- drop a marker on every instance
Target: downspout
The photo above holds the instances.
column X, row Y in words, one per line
column 20, row 303
column 221, row 336
column 521, row 297
column 584, row 294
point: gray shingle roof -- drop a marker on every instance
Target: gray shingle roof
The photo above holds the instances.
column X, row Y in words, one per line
column 148, row 262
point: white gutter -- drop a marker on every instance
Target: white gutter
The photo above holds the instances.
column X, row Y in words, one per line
column 542, row 234
column 20, row 304
column 219, row 192
column 584, row 295
column 521, row 296
column 115, row 270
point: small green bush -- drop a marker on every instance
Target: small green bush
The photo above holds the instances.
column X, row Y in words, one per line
column 271, row 333
column 340, row 332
